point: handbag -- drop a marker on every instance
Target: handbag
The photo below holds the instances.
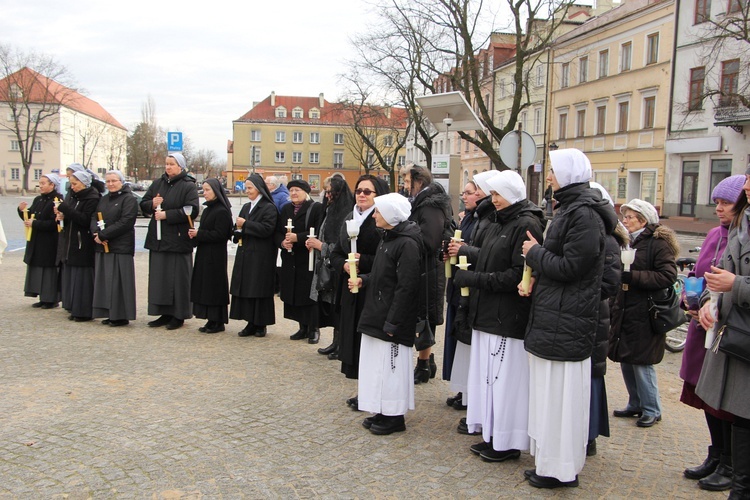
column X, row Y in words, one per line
column 425, row 336
column 664, row 311
column 325, row 276
column 733, row 338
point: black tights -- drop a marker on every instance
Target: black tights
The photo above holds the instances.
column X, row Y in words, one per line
column 721, row 433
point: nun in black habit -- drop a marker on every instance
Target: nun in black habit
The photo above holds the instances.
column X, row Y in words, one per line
column 254, row 270
column 209, row 287
column 296, row 278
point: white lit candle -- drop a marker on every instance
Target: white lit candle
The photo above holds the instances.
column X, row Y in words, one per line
column 353, row 271
column 289, row 228
column 463, row 264
column 311, row 261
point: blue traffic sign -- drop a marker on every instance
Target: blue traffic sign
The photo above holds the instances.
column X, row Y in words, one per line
column 174, row 141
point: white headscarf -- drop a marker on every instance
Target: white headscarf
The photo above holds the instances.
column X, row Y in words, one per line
column 570, row 166
column 481, row 180
column 84, row 177
column 605, row 194
column 509, row 185
column 394, row 208
column 180, row 159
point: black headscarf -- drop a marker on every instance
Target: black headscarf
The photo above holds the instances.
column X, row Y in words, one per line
column 221, row 197
column 381, row 186
column 260, row 185
column 340, row 205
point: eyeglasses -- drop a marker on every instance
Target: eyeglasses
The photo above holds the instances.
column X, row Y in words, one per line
column 629, row 217
column 364, row 191
column 468, row 193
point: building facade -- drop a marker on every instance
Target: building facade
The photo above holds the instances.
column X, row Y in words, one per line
column 610, row 93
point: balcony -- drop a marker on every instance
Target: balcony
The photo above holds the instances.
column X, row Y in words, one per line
column 732, row 115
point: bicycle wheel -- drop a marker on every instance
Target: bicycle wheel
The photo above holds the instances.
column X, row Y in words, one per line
column 676, row 338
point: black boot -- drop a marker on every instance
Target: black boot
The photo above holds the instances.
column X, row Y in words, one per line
column 300, row 334
column 707, row 467
column 334, row 345
column 721, row 478
column 740, row 463
column 433, row 366
column 422, row 371
column 313, row 335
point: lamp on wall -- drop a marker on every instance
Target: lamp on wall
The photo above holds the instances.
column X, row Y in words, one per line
column 622, row 167
column 553, row 146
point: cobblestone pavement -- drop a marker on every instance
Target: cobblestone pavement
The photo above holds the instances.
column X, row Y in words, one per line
column 91, row 411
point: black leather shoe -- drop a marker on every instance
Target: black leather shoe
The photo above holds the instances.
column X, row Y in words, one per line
column 591, row 448
column 81, row 319
column 204, row 327
column 647, row 421
column 719, row 480
column 550, row 482
column 367, row 423
column 248, row 331
column 627, row 413
column 528, row 473
column 353, row 403
column 463, row 428
column 175, row 323
column 37, row 304
column 118, row 322
column 49, row 305
column 261, row 331
column 452, row 399
column 160, row 321
column 328, row 350
column 313, row 337
column 215, row 328
column 422, row 371
column 388, row 425
column 334, row 355
column 301, row 334
column 458, row 405
column 708, row 466
column 490, row 455
column 106, row 321
column 433, row 366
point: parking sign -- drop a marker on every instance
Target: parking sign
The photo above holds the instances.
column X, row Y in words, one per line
column 174, row 141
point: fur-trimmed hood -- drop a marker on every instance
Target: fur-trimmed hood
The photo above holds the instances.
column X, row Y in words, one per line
column 667, row 234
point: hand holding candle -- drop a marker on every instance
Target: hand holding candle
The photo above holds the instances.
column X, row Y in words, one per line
column 27, row 228
column 289, row 228
column 526, row 279
column 352, row 229
column 59, row 222
column 101, row 225
column 463, row 264
column 188, row 209
column 158, row 210
column 311, row 261
column 627, row 255
column 452, row 260
column 352, row 260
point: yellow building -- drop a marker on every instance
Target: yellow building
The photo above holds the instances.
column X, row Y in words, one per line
column 310, row 138
column 610, row 84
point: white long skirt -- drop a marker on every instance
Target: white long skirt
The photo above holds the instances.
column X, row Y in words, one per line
column 560, row 392
column 460, row 369
column 386, row 378
column 499, row 391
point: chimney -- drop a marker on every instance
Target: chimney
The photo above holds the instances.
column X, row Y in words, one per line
column 321, row 101
column 273, row 98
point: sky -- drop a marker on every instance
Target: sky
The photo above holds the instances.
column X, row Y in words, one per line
column 203, row 63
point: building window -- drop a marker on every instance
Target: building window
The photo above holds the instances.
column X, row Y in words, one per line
column 603, row 63
column 280, row 156
column 388, row 141
column 652, row 48
column 565, row 76
column 388, row 160
column 314, row 157
column 608, row 180
column 37, row 174
column 697, row 79
column 623, row 109
column 401, row 160
column 649, row 110
column 15, row 174
column 338, row 160
column 281, row 112
column 730, row 71
column 255, row 135
column 583, row 69
column 297, row 137
column 538, row 121
column 601, row 119
column 314, row 137
column 280, row 136
column 562, row 126
column 626, row 56
column 522, row 119
column 581, row 123
column 297, row 112
column 296, row 156
column 720, row 170
column 338, row 138
column 14, row 146
column 502, row 88
column 314, row 113
column 702, row 11
column 256, row 158
column 735, row 6
column 539, row 75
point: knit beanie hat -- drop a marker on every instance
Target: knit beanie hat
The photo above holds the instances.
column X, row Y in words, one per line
column 729, row 189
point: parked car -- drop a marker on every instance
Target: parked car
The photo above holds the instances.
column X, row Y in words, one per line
column 138, row 199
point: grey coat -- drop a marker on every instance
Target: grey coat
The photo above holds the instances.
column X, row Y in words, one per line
column 724, row 383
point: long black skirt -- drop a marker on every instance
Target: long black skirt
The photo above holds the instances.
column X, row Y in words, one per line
column 78, row 290
column 350, row 340
column 114, row 286
column 169, row 284
column 304, row 315
column 43, row 282
column 598, row 412
column 256, row 311
column 211, row 313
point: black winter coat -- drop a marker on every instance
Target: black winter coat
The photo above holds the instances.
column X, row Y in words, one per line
column 209, row 284
column 631, row 339
column 468, row 223
column 391, row 286
column 484, row 216
column 430, row 209
column 41, row 251
column 568, row 271
column 178, row 192
column 254, row 272
column 296, row 280
column 76, row 246
column 494, row 303
column 610, row 286
column 119, row 211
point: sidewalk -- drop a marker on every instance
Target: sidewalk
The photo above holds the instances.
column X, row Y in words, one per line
column 689, row 225
column 96, row 412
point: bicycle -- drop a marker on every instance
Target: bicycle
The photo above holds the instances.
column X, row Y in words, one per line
column 676, row 338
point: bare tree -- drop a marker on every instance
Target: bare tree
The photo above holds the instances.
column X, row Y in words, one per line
column 204, row 162
column 88, row 138
column 34, row 87
column 147, row 146
column 115, row 150
column 419, row 43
